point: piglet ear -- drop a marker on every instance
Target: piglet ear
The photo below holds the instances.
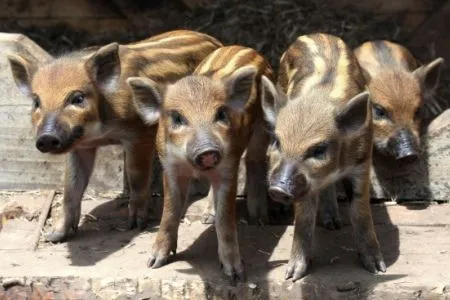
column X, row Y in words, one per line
column 104, row 67
column 354, row 115
column 239, row 87
column 21, row 70
column 271, row 100
column 146, row 99
column 429, row 74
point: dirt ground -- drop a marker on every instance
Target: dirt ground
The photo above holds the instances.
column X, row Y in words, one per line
column 107, row 261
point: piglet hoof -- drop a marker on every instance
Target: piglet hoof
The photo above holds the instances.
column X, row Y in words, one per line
column 160, row 252
column 155, row 262
column 258, row 221
column 142, row 223
column 159, row 259
column 296, row 268
column 208, row 218
column 373, row 261
column 234, row 274
column 332, row 223
column 132, row 222
column 56, row 237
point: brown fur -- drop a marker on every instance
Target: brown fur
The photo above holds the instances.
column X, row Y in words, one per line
column 399, row 89
column 322, row 133
column 191, row 111
column 105, row 114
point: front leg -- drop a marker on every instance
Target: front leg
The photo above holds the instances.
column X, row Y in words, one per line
column 301, row 251
column 357, row 189
column 78, row 170
column 138, row 169
column 176, row 191
column 225, row 220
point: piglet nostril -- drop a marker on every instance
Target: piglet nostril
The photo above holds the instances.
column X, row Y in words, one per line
column 409, row 157
column 56, row 143
column 279, row 194
column 48, row 142
column 208, row 159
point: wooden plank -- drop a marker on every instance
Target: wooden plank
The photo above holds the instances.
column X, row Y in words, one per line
column 371, row 6
column 437, row 25
column 26, row 9
column 48, row 9
column 148, row 15
column 42, row 218
column 19, row 222
column 428, row 178
column 84, row 9
column 433, row 36
column 379, row 6
column 94, row 26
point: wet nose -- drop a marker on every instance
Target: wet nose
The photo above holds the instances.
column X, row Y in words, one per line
column 405, row 147
column 280, row 193
column 48, row 142
column 208, row 159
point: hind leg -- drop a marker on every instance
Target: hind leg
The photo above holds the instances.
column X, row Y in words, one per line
column 256, row 178
column 329, row 208
column 210, row 211
column 139, row 165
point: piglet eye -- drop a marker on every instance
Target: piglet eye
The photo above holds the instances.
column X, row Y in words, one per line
column 379, row 112
column 77, row 99
column 36, row 102
column 222, row 116
column 177, row 119
column 276, row 142
column 319, row 151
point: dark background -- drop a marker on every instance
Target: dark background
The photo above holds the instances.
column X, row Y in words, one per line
column 269, row 26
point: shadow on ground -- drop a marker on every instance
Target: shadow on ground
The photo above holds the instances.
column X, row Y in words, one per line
column 264, row 250
column 261, row 248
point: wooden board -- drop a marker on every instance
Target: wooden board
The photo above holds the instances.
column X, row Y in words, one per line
column 19, row 214
column 433, row 37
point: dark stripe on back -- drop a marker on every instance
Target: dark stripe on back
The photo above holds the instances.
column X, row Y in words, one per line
column 301, row 59
column 329, row 78
column 247, row 59
column 383, row 53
